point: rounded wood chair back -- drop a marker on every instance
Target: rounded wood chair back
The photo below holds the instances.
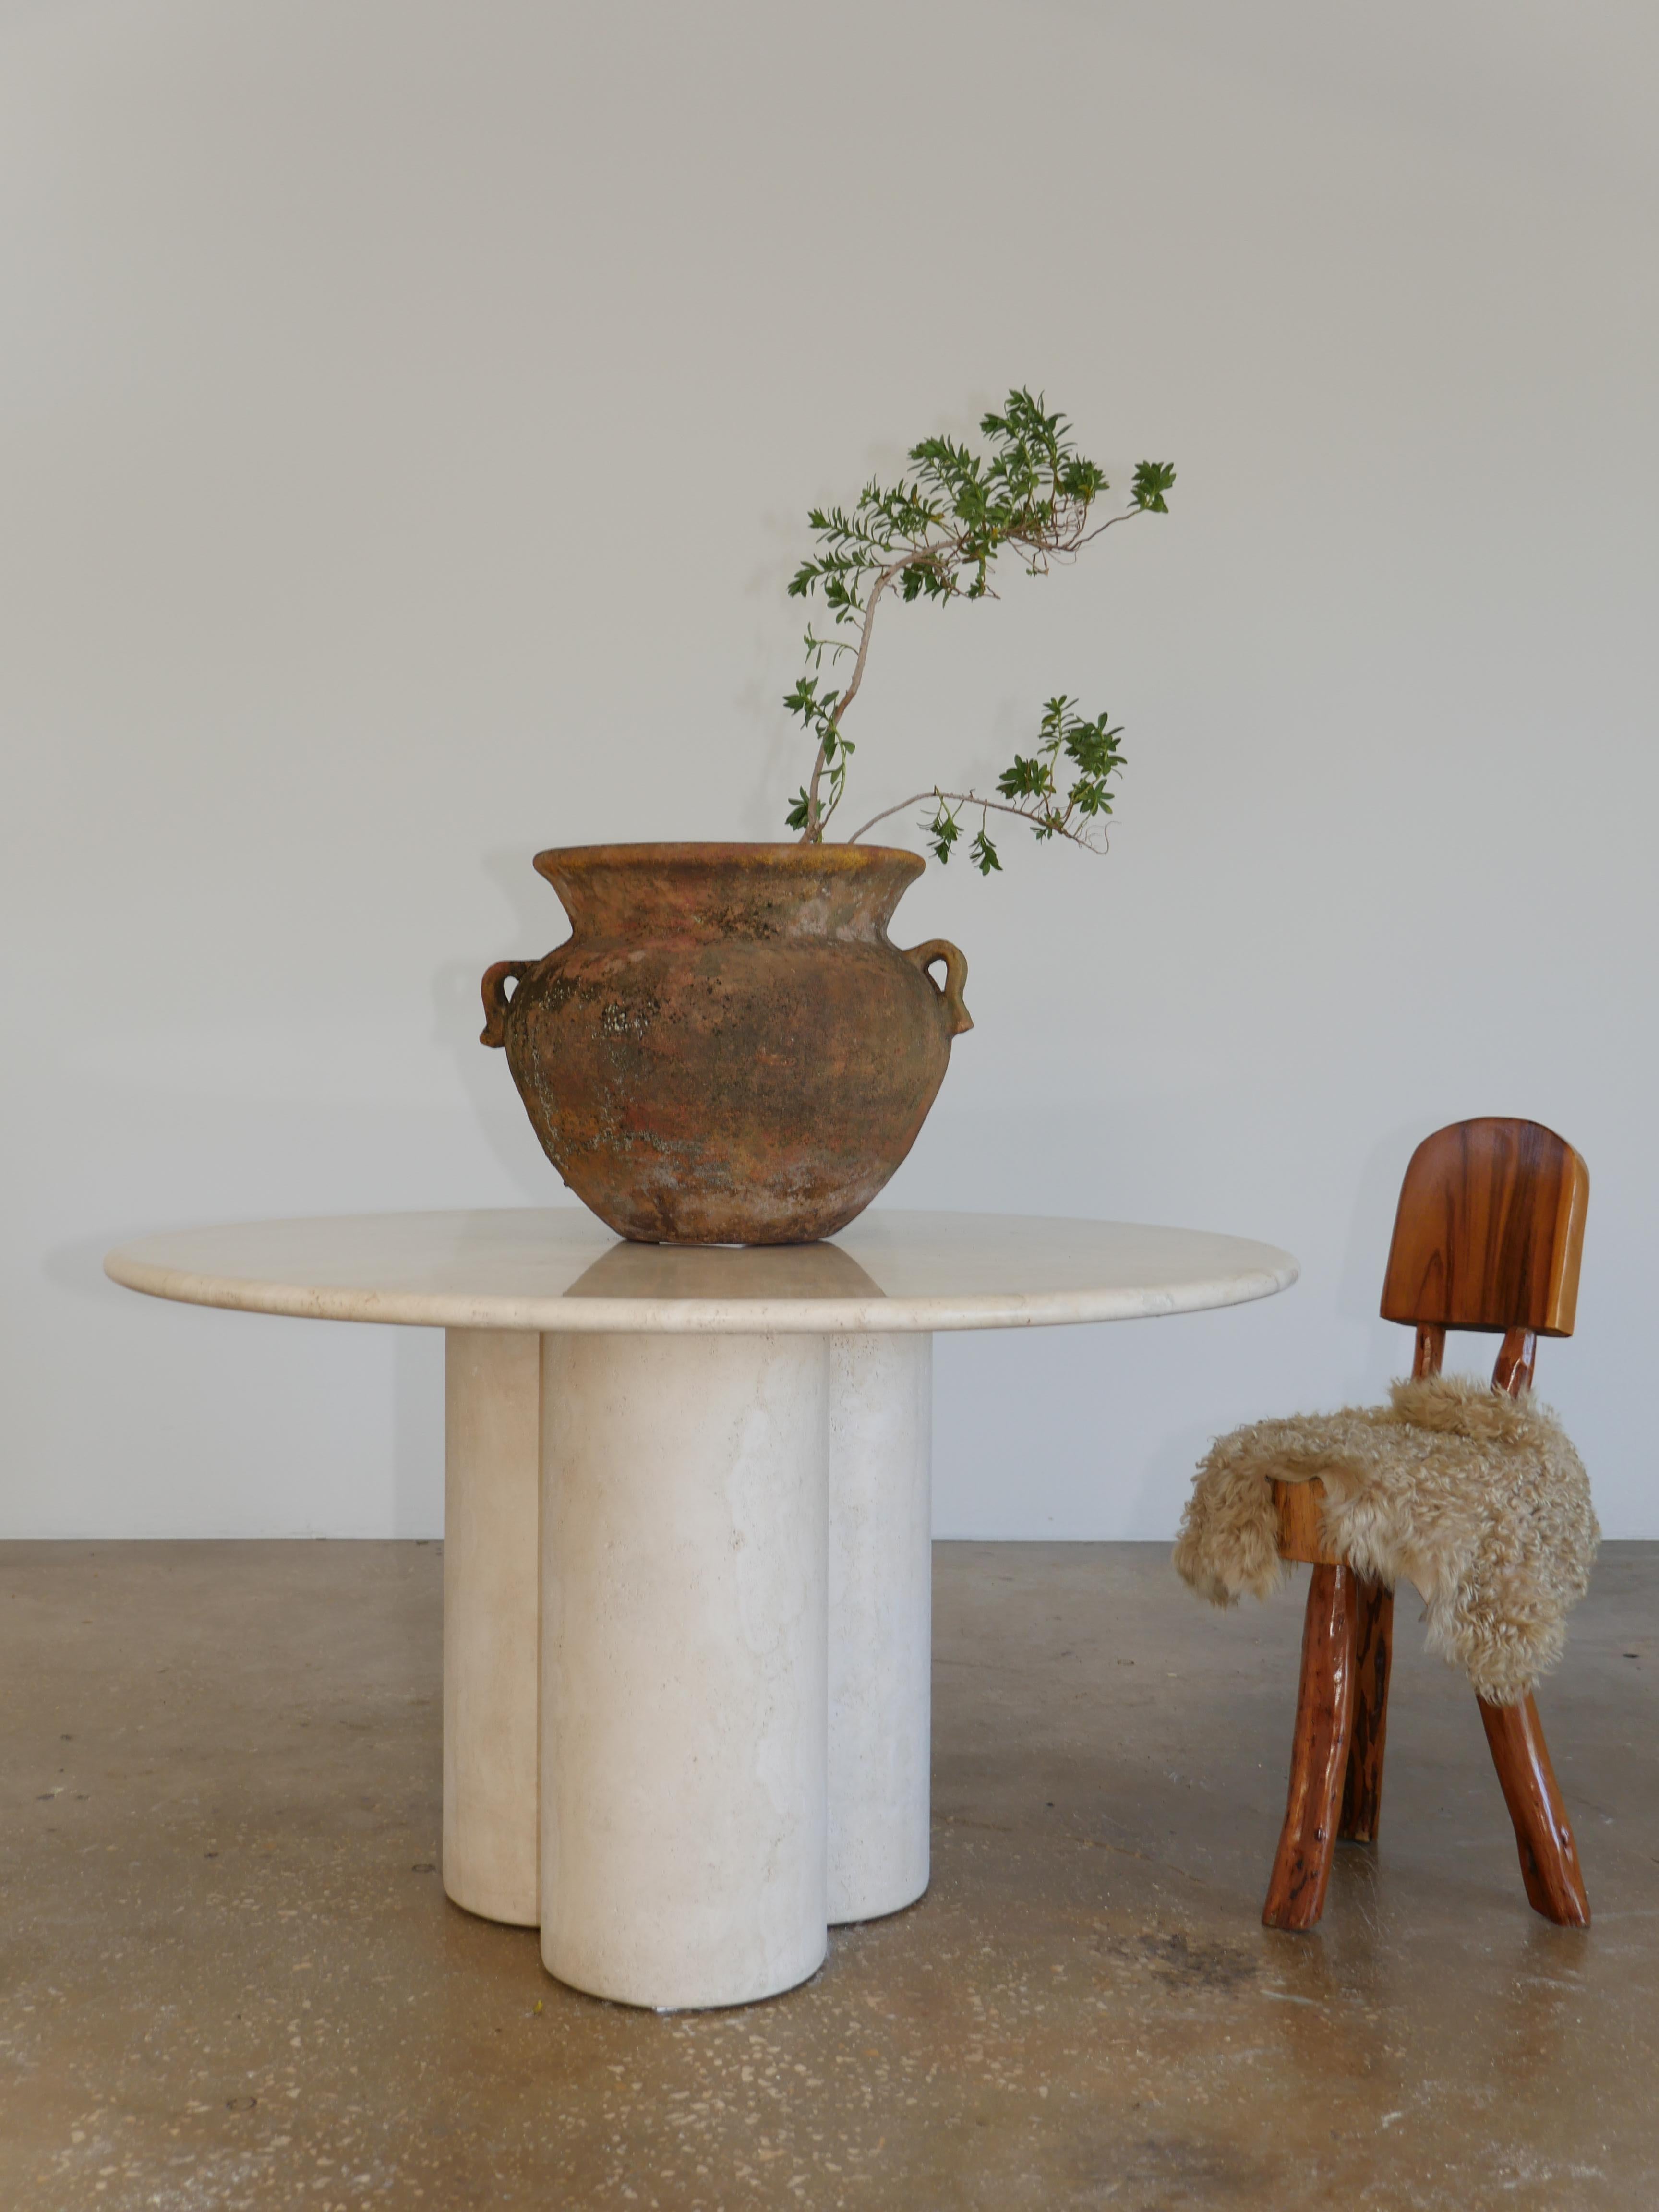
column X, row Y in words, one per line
column 1489, row 1235
column 1490, row 1230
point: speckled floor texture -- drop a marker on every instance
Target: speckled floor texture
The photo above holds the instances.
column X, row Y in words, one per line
column 230, row 1977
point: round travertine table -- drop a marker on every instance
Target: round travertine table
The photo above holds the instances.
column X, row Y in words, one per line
column 687, row 1591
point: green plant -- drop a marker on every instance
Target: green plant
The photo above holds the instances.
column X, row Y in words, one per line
column 936, row 534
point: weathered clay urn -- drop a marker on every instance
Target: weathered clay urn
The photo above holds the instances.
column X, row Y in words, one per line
column 728, row 1048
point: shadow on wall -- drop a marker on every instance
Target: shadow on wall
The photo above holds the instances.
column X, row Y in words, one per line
column 536, row 926
column 417, row 1384
column 1365, row 1253
column 1373, row 1352
column 417, row 1432
column 78, row 1266
column 1386, row 1349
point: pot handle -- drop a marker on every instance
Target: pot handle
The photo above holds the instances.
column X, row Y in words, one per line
column 955, row 975
column 495, row 1000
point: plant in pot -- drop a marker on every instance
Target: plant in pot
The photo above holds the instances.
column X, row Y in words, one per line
column 728, row 1048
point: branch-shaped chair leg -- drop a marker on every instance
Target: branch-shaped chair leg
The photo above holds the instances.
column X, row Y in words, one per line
column 1362, row 1788
column 1543, row 1834
column 1319, row 1754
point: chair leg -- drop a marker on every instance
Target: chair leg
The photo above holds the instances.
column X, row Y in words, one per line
column 1362, row 1787
column 1319, row 1754
column 1543, row 1834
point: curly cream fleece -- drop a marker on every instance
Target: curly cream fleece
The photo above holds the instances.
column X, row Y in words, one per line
column 1476, row 1498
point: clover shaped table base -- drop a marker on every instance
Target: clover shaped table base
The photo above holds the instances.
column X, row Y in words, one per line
column 687, row 1570
column 733, row 1691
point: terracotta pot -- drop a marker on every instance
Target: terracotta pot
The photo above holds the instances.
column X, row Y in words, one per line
column 727, row 1049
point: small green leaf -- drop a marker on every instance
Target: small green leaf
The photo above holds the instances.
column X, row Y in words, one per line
column 944, row 833
column 937, row 532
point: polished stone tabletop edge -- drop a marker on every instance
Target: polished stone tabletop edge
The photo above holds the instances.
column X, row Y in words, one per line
column 557, row 1269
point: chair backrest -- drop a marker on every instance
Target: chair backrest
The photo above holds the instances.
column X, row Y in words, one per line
column 1489, row 1235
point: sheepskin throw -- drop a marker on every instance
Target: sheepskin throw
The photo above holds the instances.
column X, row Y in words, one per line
column 1476, row 1498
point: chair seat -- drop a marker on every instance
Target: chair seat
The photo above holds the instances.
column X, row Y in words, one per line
column 1476, row 1498
column 1300, row 1507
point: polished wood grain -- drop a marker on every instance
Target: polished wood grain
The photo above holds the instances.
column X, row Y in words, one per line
column 1518, row 1356
column 1319, row 1754
column 1299, row 1505
column 1512, row 1370
column 1515, row 1735
column 1543, row 1833
column 1373, row 1649
column 1430, row 1350
column 1489, row 1236
column 1490, row 1231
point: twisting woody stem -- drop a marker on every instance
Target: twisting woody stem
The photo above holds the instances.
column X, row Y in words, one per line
column 1080, row 836
column 813, row 833
column 936, row 533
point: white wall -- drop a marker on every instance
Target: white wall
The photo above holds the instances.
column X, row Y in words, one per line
column 407, row 413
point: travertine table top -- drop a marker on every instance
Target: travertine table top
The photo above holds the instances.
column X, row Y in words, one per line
column 558, row 1269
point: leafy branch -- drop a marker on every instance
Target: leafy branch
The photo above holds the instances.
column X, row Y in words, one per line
column 1031, row 790
column 937, row 534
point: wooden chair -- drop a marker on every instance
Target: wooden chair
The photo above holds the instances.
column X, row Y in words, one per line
column 1488, row 1236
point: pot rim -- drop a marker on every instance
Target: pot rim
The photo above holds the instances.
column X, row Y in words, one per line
column 785, row 856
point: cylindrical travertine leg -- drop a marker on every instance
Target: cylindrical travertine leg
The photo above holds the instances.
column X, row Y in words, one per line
column 492, row 1600
column 881, row 1423
column 684, row 1700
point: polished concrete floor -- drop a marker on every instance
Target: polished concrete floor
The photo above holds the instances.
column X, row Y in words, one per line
column 230, row 1977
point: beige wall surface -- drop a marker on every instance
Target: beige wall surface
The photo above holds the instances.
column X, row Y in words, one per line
column 407, row 418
